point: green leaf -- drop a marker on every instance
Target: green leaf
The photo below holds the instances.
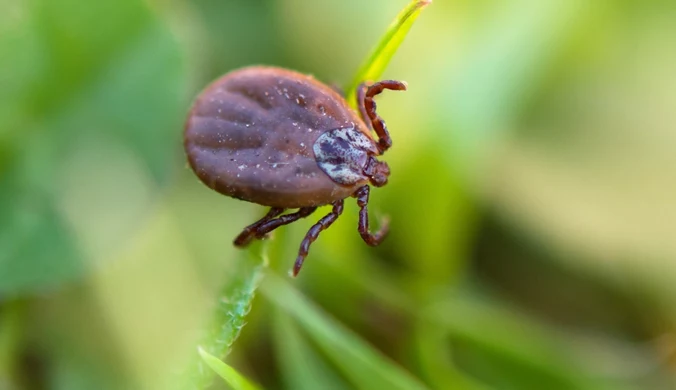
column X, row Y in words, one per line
column 230, row 315
column 363, row 365
column 229, row 374
column 380, row 57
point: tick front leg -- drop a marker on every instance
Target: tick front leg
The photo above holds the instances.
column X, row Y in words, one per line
column 249, row 232
column 369, row 106
column 362, row 195
column 313, row 233
column 361, row 97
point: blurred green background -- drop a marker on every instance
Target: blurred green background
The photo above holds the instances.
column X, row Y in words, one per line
column 532, row 196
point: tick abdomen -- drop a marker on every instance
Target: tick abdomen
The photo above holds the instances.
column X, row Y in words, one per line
column 250, row 135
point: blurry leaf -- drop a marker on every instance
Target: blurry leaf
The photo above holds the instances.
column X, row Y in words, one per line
column 229, row 374
column 511, row 350
column 381, row 55
column 76, row 342
column 72, row 370
column 119, row 78
column 253, row 23
column 301, row 367
column 362, row 364
column 36, row 247
column 12, row 314
column 230, row 315
column 436, row 362
column 444, row 221
column 21, row 61
column 497, row 76
column 612, row 215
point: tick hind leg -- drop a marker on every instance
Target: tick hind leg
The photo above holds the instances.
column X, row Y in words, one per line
column 367, row 108
column 372, row 239
column 269, row 223
column 313, row 233
column 249, row 232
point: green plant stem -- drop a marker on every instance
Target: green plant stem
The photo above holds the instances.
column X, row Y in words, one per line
column 375, row 64
column 233, row 305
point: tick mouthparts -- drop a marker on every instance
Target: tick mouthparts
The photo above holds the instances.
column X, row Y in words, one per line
column 377, row 171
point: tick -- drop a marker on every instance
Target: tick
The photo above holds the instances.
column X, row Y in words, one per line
column 284, row 140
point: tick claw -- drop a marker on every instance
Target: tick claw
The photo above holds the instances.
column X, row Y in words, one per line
column 296, row 268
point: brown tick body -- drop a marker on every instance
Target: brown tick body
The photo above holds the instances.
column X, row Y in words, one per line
column 284, row 140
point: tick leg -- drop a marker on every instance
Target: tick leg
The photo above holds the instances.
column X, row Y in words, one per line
column 270, row 225
column 361, row 96
column 384, row 140
column 362, row 195
column 313, row 233
column 249, row 232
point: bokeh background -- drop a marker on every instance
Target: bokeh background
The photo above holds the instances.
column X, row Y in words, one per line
column 532, row 196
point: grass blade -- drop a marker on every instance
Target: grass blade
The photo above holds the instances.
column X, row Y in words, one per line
column 362, row 364
column 510, row 342
column 229, row 316
column 380, row 57
column 229, row 374
column 301, row 366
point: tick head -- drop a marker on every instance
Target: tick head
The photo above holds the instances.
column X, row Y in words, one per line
column 377, row 171
column 346, row 156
